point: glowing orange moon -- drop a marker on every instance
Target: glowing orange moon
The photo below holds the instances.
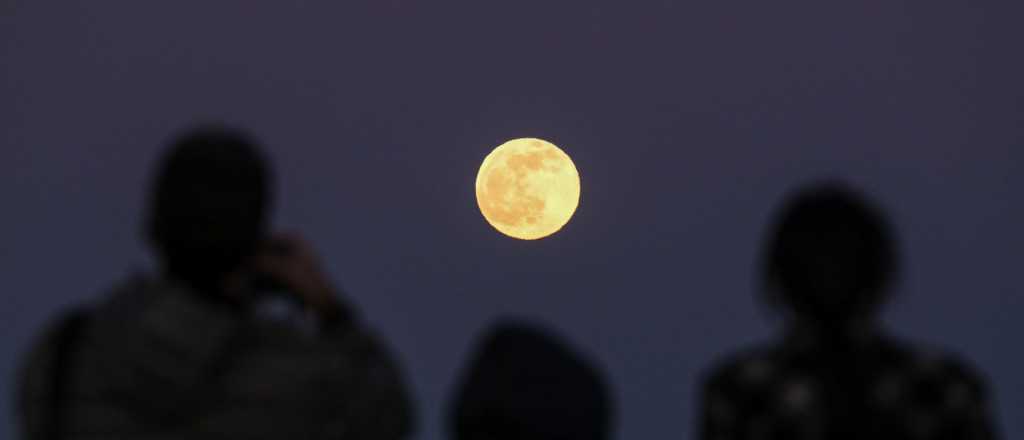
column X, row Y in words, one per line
column 528, row 188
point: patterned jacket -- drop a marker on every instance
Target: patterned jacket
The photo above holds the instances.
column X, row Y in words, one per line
column 873, row 388
column 156, row 361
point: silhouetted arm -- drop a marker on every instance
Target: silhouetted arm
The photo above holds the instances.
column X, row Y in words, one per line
column 967, row 406
column 376, row 403
column 719, row 412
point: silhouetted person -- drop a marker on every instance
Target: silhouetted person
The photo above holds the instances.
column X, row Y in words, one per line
column 523, row 384
column 828, row 267
column 193, row 352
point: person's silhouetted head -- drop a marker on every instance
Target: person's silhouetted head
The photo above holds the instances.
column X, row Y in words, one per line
column 209, row 204
column 523, row 384
column 831, row 256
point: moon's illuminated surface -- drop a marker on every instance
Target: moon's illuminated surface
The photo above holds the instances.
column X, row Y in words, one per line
column 528, row 188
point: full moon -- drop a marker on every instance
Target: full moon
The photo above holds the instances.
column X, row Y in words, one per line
column 528, row 188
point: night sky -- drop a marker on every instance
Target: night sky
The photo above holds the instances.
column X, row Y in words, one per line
column 688, row 121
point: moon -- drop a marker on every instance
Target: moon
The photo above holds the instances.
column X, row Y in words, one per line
column 528, row 188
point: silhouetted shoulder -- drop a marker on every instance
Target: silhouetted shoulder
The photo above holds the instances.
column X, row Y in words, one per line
column 753, row 383
column 748, row 368
column 883, row 389
column 930, row 379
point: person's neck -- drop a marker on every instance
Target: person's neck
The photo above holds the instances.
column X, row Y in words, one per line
column 847, row 332
column 224, row 292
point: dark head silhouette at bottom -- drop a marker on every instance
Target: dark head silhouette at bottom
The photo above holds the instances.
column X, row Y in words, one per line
column 828, row 266
column 524, row 384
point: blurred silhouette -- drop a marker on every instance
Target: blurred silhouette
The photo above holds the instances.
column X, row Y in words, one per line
column 828, row 267
column 523, row 384
column 204, row 350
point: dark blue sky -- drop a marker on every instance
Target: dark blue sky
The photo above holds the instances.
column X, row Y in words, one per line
column 687, row 120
